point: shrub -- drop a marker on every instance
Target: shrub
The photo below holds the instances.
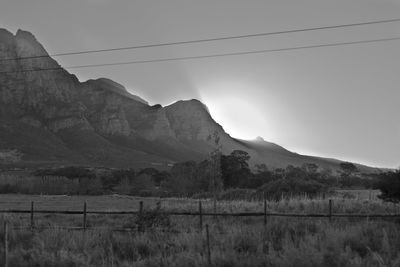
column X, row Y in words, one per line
column 8, row 188
column 236, row 194
column 292, row 187
column 389, row 184
column 356, row 245
column 152, row 218
column 245, row 244
column 69, row 172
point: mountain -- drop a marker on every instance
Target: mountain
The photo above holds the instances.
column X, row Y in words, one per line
column 50, row 118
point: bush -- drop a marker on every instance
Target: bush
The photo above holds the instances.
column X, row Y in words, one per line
column 69, row 172
column 389, row 184
column 292, row 187
column 236, row 194
column 245, row 244
column 8, row 189
column 152, row 219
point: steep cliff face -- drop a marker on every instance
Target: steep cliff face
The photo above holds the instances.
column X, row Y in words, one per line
column 48, row 117
column 40, row 98
column 36, row 92
column 190, row 120
column 54, row 98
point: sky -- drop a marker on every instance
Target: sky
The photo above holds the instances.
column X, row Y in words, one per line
column 338, row 102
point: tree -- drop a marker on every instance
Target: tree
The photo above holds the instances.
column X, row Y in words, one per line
column 216, row 170
column 148, row 171
column 183, row 177
column 326, row 173
column 279, row 173
column 72, row 172
column 262, row 176
column 116, row 177
column 142, row 183
column 348, row 168
column 235, row 169
column 296, row 172
column 160, row 177
column 311, row 168
column 206, row 178
column 121, row 176
column 10, row 156
column 215, row 158
column 261, row 168
column 389, row 185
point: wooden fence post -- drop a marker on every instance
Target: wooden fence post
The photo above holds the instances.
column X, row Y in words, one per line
column 5, row 244
column 215, row 206
column 84, row 216
column 140, row 207
column 32, row 223
column 265, row 211
column 140, row 224
column 208, row 246
column 330, row 209
column 201, row 216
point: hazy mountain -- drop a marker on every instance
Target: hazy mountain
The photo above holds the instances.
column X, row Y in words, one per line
column 50, row 118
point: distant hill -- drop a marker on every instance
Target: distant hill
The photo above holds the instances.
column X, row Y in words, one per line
column 49, row 118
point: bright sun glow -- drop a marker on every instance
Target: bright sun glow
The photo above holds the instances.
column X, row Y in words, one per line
column 232, row 107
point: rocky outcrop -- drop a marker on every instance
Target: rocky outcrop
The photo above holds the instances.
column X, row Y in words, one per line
column 111, row 86
column 40, row 98
column 190, row 120
column 161, row 127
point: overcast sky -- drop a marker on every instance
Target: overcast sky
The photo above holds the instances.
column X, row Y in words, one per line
column 340, row 102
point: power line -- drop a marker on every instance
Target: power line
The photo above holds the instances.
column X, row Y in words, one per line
column 208, row 39
column 209, row 56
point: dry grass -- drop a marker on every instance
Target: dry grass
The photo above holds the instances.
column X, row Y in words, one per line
column 122, row 202
column 234, row 241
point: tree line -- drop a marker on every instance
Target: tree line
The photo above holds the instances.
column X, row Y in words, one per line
column 226, row 173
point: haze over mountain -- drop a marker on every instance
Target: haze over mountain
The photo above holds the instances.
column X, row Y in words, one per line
column 51, row 118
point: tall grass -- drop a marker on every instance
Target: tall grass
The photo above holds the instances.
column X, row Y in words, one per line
column 177, row 241
column 119, row 202
column 234, row 242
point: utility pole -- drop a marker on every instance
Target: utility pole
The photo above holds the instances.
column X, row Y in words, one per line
column 216, row 168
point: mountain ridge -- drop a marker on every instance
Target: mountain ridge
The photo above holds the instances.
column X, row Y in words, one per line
column 99, row 122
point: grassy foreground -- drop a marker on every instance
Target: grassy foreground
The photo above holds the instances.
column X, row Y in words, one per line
column 177, row 241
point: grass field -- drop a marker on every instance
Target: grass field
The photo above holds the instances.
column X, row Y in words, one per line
column 346, row 201
column 177, row 240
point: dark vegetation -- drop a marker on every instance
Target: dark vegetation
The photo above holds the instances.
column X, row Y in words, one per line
column 389, row 184
column 227, row 175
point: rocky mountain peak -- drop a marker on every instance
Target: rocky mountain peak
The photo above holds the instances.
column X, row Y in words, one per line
column 191, row 120
column 191, row 106
column 114, row 87
column 52, row 116
column 111, row 83
column 21, row 34
column 6, row 37
column 27, row 45
column 259, row 139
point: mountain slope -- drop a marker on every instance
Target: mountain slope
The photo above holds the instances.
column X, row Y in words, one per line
column 52, row 118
